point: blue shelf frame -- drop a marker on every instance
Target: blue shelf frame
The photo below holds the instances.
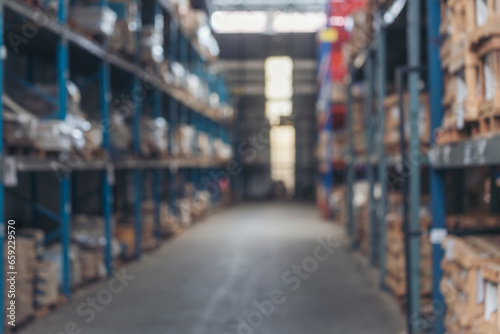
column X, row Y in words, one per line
column 179, row 48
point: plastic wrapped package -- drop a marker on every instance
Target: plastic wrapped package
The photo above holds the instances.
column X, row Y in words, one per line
column 94, row 19
column 154, row 136
column 223, row 151
column 151, row 44
column 93, row 137
column 87, row 231
column 185, row 139
column 204, row 144
column 121, row 136
column 196, row 87
column 214, row 100
column 53, row 254
column 46, row 289
column 25, row 128
column 226, row 111
column 127, row 23
column 179, row 73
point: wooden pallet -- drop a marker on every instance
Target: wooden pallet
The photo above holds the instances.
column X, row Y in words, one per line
column 489, row 122
column 44, row 311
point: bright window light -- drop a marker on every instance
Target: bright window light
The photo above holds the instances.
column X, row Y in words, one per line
column 276, row 90
column 283, row 156
column 238, row 22
column 279, row 68
column 298, row 22
column 276, row 109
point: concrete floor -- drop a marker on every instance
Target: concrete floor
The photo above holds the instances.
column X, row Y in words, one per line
column 234, row 274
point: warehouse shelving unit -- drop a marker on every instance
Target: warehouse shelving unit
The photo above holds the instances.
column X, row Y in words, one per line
column 376, row 161
column 164, row 99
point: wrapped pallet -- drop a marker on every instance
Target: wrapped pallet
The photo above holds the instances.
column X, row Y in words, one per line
column 460, row 64
column 395, row 251
column 96, row 20
column 462, row 284
column 185, row 138
column 46, row 289
column 489, row 322
column 127, row 22
column 392, row 121
column 53, row 254
column 152, row 43
column 154, row 136
column 25, row 267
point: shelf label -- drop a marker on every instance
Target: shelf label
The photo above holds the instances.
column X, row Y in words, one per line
column 10, row 172
column 437, row 235
column 433, row 154
column 467, row 154
column 446, row 155
column 481, row 150
column 110, row 173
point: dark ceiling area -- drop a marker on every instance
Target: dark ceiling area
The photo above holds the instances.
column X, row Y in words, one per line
column 251, row 46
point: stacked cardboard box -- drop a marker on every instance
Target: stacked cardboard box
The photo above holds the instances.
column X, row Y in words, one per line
column 125, row 230
column 46, row 289
column 489, row 322
column 361, row 217
column 396, row 262
column 469, row 56
column 392, row 121
column 463, row 283
column 358, row 127
column 23, row 285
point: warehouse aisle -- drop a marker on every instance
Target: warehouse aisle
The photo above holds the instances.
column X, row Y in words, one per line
column 237, row 273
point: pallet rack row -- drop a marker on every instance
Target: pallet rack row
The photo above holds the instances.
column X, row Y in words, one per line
column 48, row 46
column 441, row 159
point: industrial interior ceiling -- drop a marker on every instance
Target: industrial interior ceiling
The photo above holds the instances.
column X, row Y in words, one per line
column 267, row 5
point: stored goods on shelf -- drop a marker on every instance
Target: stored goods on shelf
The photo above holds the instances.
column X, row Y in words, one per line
column 223, row 151
column 53, row 254
column 96, row 20
column 338, row 205
column 25, row 126
column 392, row 133
column 120, row 134
column 361, row 34
column 154, row 136
column 395, row 278
column 185, row 140
column 361, row 215
column 359, row 127
column 25, row 265
column 123, row 38
column 205, row 144
column 46, row 289
column 152, row 43
column 462, row 284
column 470, row 58
column 489, row 322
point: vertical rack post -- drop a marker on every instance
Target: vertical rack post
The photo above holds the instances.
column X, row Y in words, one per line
column 2, row 199
column 413, row 46
column 369, row 75
column 172, row 117
column 350, row 162
column 157, row 173
column 137, row 102
column 64, row 185
column 382, row 165
column 437, row 185
column 104, row 73
column 137, row 172
column 107, row 175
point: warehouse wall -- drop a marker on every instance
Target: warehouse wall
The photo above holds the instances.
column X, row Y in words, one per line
column 243, row 60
